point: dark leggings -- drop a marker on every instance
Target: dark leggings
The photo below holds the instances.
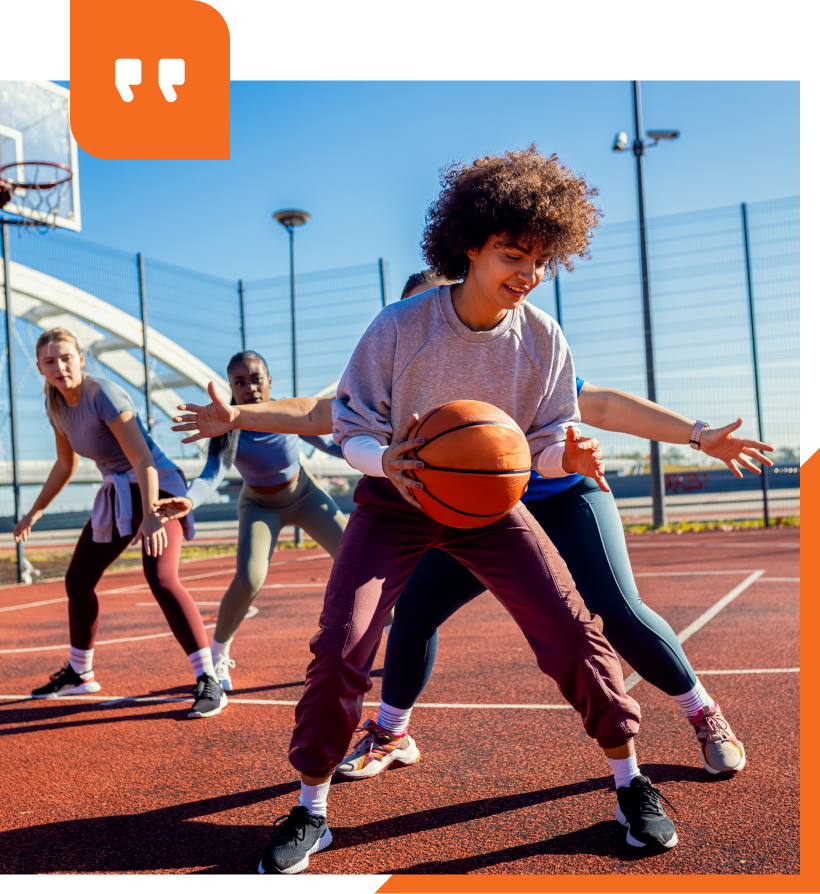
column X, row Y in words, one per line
column 162, row 573
column 584, row 524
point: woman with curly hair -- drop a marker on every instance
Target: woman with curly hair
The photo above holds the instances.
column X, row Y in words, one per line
column 501, row 224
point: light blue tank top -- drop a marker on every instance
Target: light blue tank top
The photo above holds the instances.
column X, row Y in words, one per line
column 263, row 459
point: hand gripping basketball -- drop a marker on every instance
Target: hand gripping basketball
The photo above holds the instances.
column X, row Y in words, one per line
column 474, row 463
column 395, row 462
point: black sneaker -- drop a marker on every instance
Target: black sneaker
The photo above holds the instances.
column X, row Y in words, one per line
column 67, row 681
column 639, row 809
column 209, row 697
column 297, row 837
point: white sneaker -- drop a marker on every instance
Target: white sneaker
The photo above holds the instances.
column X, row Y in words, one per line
column 376, row 751
column 222, row 669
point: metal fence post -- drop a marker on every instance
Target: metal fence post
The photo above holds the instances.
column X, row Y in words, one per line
column 146, row 357
column 15, row 453
column 764, row 474
column 382, row 282
column 558, row 302
column 242, row 313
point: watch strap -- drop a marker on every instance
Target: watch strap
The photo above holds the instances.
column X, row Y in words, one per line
column 697, row 431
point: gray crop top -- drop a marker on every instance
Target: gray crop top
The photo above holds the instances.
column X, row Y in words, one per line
column 87, row 426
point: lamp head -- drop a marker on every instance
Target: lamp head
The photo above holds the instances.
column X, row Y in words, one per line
column 621, row 142
column 663, row 134
column 291, row 217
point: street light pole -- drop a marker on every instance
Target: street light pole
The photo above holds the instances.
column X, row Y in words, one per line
column 638, row 148
column 656, row 467
column 291, row 218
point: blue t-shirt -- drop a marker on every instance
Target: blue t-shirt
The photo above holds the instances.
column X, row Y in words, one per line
column 263, row 459
column 547, row 487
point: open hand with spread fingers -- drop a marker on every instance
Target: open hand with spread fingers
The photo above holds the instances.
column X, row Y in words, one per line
column 721, row 444
column 584, row 456
column 207, row 421
column 394, row 462
column 168, row 508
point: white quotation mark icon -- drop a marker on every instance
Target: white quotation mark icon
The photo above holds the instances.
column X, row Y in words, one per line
column 128, row 73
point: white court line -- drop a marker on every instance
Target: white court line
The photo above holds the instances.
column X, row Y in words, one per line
column 317, row 585
column 11, row 608
column 763, row 670
column 99, row 642
column 714, row 545
column 226, row 571
column 634, row 678
column 106, row 700
column 700, row 573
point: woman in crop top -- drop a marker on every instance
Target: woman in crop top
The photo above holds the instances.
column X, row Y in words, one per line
column 277, row 492
column 96, row 419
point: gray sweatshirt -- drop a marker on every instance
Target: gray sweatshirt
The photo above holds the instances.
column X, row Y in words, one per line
column 417, row 355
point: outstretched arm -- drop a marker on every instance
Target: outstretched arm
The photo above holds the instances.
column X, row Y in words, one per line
column 617, row 411
column 291, row 416
column 58, row 478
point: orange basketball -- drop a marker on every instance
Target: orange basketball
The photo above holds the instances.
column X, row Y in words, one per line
column 476, row 463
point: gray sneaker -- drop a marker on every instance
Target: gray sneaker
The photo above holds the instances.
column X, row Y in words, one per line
column 297, row 837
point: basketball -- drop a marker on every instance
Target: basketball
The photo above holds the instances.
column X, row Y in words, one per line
column 476, row 463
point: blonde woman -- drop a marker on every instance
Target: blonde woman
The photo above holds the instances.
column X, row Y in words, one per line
column 96, row 419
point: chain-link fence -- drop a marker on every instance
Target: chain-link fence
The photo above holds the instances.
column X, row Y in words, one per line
column 703, row 349
column 195, row 322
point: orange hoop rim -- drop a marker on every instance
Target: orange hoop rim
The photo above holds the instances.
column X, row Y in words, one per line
column 49, row 184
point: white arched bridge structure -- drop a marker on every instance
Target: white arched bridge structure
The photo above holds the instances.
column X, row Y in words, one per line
column 48, row 303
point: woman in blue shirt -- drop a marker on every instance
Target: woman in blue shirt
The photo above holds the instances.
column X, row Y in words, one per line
column 583, row 522
column 276, row 492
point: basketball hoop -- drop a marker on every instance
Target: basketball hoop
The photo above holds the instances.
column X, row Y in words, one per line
column 33, row 190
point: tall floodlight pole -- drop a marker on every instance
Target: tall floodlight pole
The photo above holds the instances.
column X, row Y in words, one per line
column 638, row 148
column 290, row 219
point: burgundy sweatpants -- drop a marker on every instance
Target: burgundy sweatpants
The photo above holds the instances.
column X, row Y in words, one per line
column 162, row 573
column 512, row 557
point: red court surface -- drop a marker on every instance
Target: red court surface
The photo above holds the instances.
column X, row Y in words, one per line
column 508, row 781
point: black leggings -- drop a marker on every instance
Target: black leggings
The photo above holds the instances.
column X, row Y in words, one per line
column 162, row 573
column 584, row 524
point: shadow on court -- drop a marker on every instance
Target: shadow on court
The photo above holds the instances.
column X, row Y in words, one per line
column 174, row 838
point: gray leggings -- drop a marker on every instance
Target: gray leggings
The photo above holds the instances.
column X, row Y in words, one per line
column 261, row 518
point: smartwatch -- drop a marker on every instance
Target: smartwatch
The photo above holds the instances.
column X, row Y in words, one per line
column 697, row 431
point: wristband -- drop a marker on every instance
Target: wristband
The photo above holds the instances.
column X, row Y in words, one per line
column 697, row 431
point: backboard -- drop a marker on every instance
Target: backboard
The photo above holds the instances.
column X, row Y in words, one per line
column 35, row 126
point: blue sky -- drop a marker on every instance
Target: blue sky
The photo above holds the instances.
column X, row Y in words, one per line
column 363, row 158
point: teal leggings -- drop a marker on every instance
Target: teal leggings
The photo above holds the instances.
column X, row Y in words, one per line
column 584, row 524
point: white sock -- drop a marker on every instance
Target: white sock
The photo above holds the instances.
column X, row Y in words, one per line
column 314, row 797
column 81, row 659
column 625, row 769
column 202, row 663
column 219, row 650
column 694, row 700
column 394, row 720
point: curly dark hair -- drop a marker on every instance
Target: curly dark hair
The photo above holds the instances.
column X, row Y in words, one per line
column 527, row 196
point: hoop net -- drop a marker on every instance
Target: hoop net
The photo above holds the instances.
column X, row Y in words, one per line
column 34, row 191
